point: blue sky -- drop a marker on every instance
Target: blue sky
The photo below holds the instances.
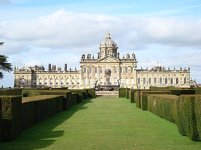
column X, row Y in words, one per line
column 58, row 32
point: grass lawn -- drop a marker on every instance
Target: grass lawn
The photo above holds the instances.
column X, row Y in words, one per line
column 105, row 123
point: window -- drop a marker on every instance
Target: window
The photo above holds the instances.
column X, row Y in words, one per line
column 160, row 80
column 177, row 81
column 165, row 80
column 144, row 80
column 184, row 80
column 149, row 80
column 84, row 70
column 138, row 80
column 126, row 69
column 171, row 80
column 154, row 80
column 95, row 70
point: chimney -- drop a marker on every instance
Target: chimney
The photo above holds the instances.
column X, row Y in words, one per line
column 65, row 67
column 49, row 68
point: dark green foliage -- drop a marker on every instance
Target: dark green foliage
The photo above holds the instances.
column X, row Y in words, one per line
column 11, row 106
column 38, row 110
column 10, row 92
column 127, row 93
column 91, row 93
column 186, row 117
column 131, row 95
column 137, row 98
column 182, row 91
column 0, row 119
column 154, row 88
column 197, row 90
column 4, row 65
column 122, row 92
column 163, row 106
column 198, row 113
column 73, row 98
column 143, row 97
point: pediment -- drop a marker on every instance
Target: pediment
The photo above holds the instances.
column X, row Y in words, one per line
column 109, row 59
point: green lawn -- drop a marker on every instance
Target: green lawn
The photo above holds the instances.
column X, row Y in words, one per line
column 103, row 123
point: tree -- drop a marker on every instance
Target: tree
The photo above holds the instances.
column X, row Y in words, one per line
column 4, row 65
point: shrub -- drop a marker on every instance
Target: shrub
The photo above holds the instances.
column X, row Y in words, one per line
column 10, row 92
column 186, row 117
column 122, row 92
column 11, row 106
column 182, row 91
column 137, row 98
column 143, row 97
column 163, row 106
column 198, row 113
column 38, row 108
column 131, row 95
column 0, row 120
column 127, row 93
column 91, row 93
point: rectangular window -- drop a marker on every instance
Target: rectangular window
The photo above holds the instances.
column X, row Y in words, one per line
column 184, row 80
column 160, row 80
column 149, row 80
column 154, row 80
column 177, row 81
column 138, row 80
column 144, row 81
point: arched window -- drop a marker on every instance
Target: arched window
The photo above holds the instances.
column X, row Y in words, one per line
column 95, row 70
column 126, row 69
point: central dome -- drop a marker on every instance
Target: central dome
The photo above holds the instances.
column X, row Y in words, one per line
column 108, row 42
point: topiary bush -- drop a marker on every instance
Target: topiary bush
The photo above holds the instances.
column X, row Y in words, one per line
column 10, row 92
column 163, row 106
column 198, row 113
column 122, row 92
column 11, row 106
column 186, row 120
column 131, row 95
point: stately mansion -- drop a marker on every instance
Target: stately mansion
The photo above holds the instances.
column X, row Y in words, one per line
column 106, row 69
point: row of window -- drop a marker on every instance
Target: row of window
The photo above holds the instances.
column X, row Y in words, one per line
column 100, row 70
column 154, row 81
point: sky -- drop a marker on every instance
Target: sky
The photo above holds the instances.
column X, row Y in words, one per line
column 39, row 32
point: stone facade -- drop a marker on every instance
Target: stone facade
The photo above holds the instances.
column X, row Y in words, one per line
column 107, row 69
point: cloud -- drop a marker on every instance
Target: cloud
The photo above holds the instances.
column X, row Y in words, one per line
column 69, row 30
column 3, row 2
column 61, row 37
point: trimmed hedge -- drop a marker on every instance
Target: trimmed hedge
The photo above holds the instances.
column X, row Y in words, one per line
column 163, row 106
column 187, row 117
column 39, row 108
column 91, row 93
column 122, row 92
column 127, row 93
column 137, row 98
column 131, row 96
column 198, row 114
column 183, row 91
column 11, row 106
column 0, row 120
column 11, row 92
column 144, row 99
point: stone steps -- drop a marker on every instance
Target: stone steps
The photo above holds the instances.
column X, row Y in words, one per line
column 107, row 93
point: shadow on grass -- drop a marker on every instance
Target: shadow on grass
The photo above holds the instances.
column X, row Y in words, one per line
column 42, row 135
